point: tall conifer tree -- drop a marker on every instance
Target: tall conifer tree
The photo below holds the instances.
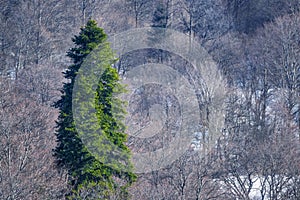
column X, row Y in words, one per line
column 90, row 178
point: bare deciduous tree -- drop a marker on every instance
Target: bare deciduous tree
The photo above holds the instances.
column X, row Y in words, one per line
column 26, row 132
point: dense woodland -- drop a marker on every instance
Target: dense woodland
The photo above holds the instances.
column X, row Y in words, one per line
column 256, row 46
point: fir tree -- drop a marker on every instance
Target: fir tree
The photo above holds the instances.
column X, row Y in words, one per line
column 157, row 34
column 90, row 178
column 160, row 17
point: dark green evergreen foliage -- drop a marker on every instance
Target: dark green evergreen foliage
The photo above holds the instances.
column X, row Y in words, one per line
column 157, row 34
column 160, row 17
column 248, row 16
column 87, row 174
column 87, row 40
